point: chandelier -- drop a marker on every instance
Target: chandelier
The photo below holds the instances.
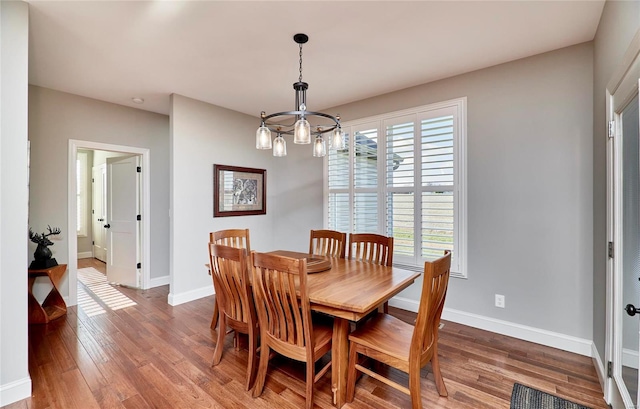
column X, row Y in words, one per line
column 296, row 122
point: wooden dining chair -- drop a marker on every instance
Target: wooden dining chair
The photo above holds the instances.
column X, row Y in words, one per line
column 372, row 248
column 238, row 238
column 235, row 301
column 328, row 243
column 284, row 314
column 393, row 342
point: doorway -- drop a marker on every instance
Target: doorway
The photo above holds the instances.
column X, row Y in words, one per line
column 623, row 232
column 141, row 225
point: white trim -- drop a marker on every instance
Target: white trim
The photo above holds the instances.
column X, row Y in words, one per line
column 159, row 281
column 599, row 365
column 14, row 391
column 85, row 254
column 177, row 299
column 74, row 145
column 539, row 336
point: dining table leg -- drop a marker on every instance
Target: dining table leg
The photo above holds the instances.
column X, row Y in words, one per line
column 339, row 361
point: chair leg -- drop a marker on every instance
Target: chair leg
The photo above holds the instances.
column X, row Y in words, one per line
column 414, row 385
column 351, row 373
column 262, row 370
column 311, row 374
column 222, row 330
column 435, row 365
column 214, row 319
column 252, row 365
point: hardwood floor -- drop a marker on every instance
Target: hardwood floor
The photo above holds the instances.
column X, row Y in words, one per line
column 153, row 355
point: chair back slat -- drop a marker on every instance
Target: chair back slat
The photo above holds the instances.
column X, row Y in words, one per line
column 328, row 243
column 372, row 248
column 434, row 292
column 283, row 311
column 238, row 238
column 231, row 282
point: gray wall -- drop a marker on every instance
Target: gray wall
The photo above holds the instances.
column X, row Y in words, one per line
column 203, row 135
column 298, row 180
column 619, row 22
column 54, row 118
column 15, row 383
column 529, row 187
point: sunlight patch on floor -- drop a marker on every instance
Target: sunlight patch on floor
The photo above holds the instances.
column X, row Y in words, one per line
column 98, row 289
column 88, row 304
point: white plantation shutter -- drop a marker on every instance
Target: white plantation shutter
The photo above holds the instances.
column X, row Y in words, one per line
column 403, row 174
column 437, row 224
column 338, row 209
column 400, row 184
column 437, row 150
column 365, row 179
column 438, row 183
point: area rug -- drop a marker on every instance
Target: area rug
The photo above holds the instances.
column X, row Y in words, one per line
column 524, row 397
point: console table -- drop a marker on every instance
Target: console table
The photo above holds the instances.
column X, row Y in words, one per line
column 53, row 306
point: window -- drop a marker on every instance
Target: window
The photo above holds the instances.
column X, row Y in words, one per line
column 402, row 174
column 82, row 193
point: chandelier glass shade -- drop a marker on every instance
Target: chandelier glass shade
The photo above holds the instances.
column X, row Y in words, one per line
column 297, row 123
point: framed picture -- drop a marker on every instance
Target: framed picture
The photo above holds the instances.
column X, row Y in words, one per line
column 239, row 191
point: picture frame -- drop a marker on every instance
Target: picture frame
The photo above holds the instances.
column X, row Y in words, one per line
column 239, row 191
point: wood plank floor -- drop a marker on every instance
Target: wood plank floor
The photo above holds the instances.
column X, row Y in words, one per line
column 153, row 355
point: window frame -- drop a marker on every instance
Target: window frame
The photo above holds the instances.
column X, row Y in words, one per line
column 458, row 107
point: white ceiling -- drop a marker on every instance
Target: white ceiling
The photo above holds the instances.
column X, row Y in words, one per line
column 241, row 55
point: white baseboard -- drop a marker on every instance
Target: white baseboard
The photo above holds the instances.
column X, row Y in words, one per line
column 15, row 391
column 177, row 299
column 85, row 254
column 159, row 281
column 539, row 336
column 599, row 365
column 630, row 358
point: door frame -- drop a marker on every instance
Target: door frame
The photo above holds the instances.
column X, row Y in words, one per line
column 625, row 79
column 102, row 168
column 145, row 228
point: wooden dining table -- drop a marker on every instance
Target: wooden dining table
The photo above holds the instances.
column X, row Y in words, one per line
column 348, row 291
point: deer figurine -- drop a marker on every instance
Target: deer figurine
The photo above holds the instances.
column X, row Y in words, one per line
column 42, row 255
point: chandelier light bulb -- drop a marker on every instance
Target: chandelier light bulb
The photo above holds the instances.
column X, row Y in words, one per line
column 263, row 138
column 302, row 132
column 279, row 146
column 319, row 147
column 337, row 139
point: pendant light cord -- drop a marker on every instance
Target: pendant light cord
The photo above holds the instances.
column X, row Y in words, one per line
column 300, row 78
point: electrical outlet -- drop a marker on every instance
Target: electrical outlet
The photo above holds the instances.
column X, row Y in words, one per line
column 499, row 301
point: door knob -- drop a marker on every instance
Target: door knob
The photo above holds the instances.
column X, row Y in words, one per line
column 631, row 310
column 108, row 226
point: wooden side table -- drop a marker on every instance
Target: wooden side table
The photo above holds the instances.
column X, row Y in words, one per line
column 53, row 306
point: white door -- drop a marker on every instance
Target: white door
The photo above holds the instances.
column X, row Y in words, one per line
column 99, row 212
column 623, row 267
column 123, row 235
